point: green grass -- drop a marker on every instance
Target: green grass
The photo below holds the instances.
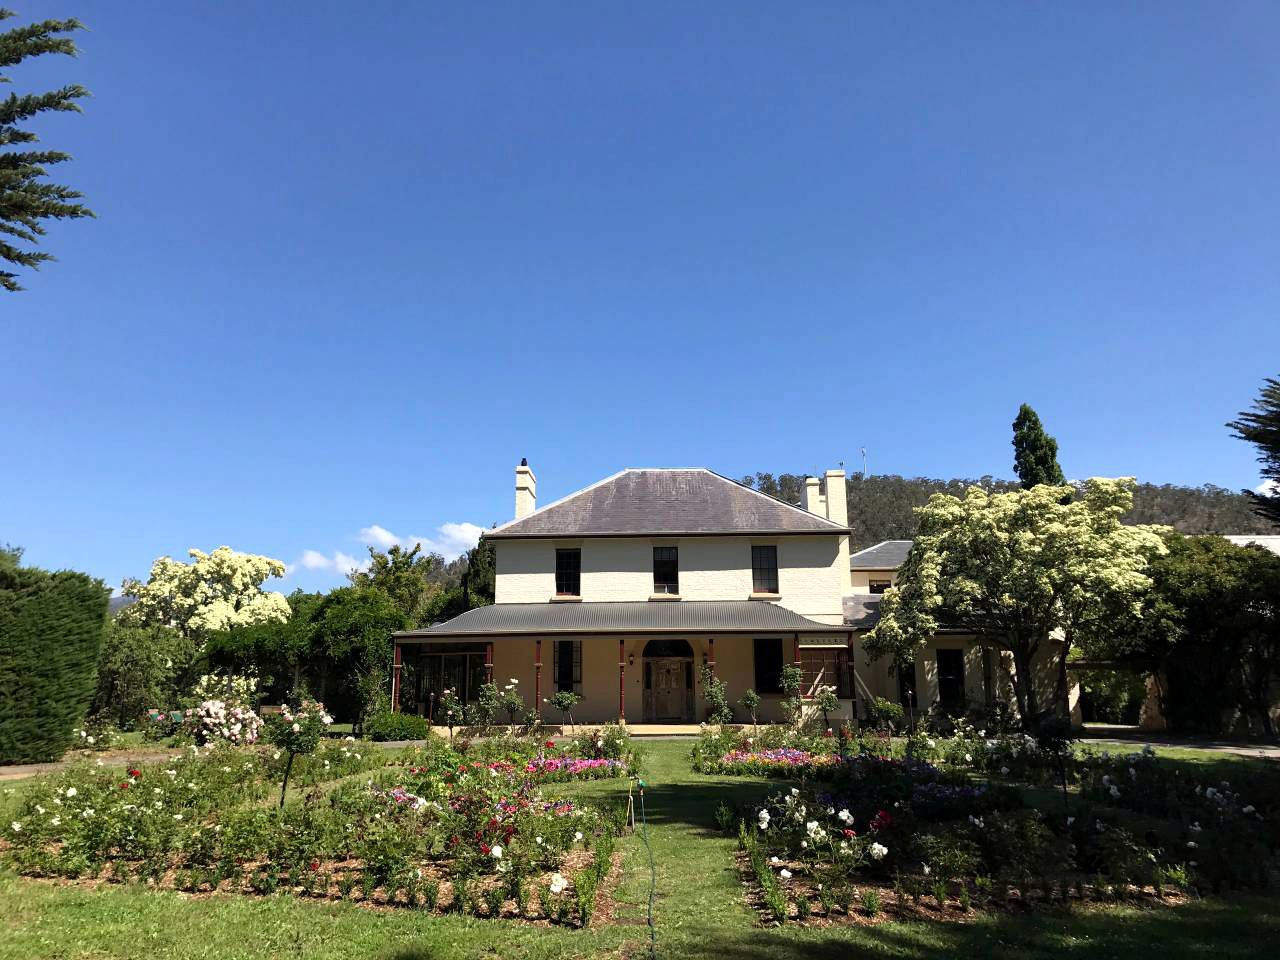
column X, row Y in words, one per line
column 700, row 911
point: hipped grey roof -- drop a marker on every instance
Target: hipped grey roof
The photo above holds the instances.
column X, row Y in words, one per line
column 636, row 502
column 887, row 555
column 639, row 616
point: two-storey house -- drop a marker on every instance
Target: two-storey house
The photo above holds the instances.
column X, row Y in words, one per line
column 624, row 591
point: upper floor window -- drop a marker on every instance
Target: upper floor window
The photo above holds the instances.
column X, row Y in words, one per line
column 879, row 585
column 764, row 569
column 666, row 570
column 569, row 573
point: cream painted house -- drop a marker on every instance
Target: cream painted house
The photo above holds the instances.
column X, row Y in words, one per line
column 625, row 590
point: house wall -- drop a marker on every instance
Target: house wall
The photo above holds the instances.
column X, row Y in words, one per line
column 876, row 675
column 860, row 580
column 810, row 577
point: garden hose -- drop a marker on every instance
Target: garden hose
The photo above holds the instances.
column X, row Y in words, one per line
column 653, row 874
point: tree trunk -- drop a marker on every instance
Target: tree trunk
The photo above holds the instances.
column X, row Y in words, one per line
column 1024, row 685
column 285, row 785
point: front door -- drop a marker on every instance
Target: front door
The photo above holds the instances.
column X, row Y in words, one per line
column 668, row 689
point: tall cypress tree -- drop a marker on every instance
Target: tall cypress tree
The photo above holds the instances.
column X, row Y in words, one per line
column 1261, row 427
column 26, row 199
column 1035, row 453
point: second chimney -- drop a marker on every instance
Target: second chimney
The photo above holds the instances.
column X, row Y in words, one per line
column 526, row 490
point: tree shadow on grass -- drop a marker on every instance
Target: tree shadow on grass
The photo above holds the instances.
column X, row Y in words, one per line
column 1228, row 930
column 694, row 804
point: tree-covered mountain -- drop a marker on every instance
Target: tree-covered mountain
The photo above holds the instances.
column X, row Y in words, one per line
column 881, row 507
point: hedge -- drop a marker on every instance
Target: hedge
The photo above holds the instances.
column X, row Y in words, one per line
column 51, row 628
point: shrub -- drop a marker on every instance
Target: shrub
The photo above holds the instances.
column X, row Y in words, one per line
column 565, row 701
column 884, row 714
column 750, row 702
column 716, row 694
column 50, row 635
column 396, row 726
column 299, row 733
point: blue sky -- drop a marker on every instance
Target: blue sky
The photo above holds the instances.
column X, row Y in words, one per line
column 352, row 262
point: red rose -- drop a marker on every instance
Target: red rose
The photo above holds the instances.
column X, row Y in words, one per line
column 315, row 864
column 551, row 745
column 124, row 784
column 484, row 848
column 848, row 833
column 135, row 772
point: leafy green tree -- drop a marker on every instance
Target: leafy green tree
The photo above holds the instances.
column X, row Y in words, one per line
column 50, row 636
column 282, row 654
column 1035, row 453
column 480, row 575
column 26, row 199
column 353, row 628
column 140, row 668
column 1261, row 427
column 1028, row 572
column 1210, row 628
column 409, row 577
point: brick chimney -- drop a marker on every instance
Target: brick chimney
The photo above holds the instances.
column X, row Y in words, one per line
column 814, row 501
column 526, row 490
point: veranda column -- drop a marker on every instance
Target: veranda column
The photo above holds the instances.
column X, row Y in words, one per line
column 488, row 662
column 795, row 650
column 852, row 667
column 711, row 654
column 396, row 664
column 622, row 683
column 537, row 676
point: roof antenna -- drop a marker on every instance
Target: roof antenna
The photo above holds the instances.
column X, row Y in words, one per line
column 864, row 463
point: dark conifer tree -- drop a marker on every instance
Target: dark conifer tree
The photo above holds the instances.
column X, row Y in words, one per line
column 26, row 198
column 1261, row 427
column 1035, row 453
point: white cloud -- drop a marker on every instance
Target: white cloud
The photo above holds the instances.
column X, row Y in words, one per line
column 314, row 560
column 1268, row 488
column 380, row 537
column 344, row 563
column 450, row 540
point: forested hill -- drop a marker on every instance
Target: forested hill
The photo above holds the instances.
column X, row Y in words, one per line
column 880, row 507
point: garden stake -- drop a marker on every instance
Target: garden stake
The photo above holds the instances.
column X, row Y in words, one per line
column 653, row 874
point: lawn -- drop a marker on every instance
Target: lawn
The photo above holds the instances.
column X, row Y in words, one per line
column 699, row 909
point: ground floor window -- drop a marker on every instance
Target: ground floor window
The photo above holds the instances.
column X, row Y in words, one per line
column 768, row 663
column 951, row 680
column 828, row 666
column 566, row 666
column 433, row 669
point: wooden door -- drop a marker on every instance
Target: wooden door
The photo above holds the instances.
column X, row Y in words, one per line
column 668, row 689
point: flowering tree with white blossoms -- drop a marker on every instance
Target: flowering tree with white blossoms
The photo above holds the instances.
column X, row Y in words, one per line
column 1029, row 572
column 216, row 591
column 298, row 732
